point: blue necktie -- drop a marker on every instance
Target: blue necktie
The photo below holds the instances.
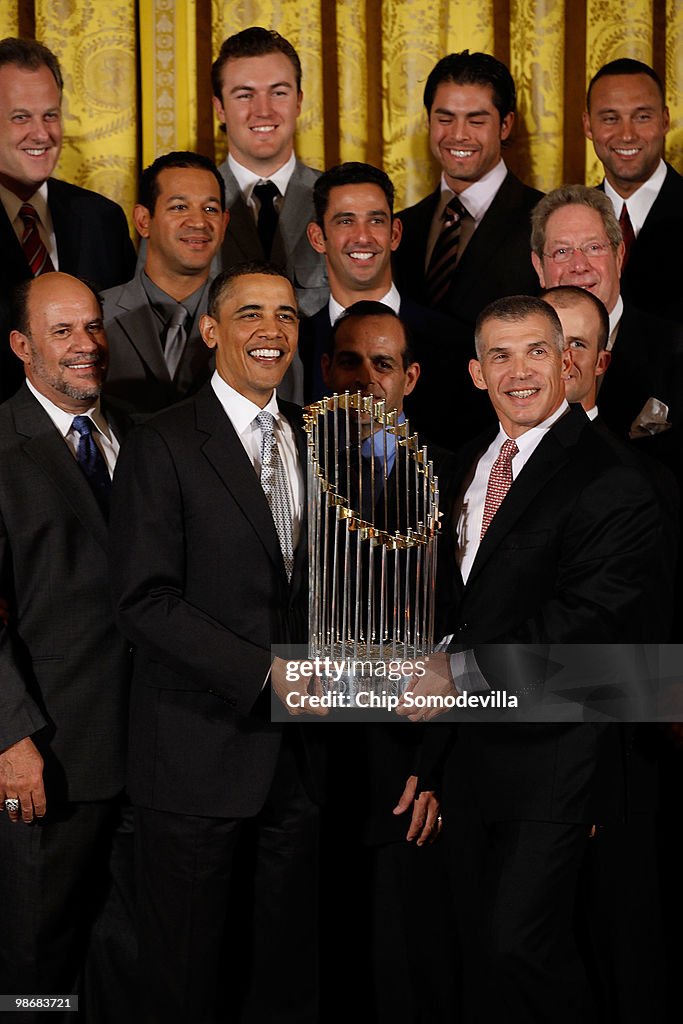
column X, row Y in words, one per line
column 91, row 461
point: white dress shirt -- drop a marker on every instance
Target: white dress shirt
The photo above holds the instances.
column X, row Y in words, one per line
column 104, row 436
column 242, row 414
column 640, row 203
column 246, row 180
column 38, row 201
column 614, row 321
column 391, row 299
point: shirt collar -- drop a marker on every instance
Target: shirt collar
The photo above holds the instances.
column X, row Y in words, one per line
column 246, row 179
column 374, row 445
column 38, row 201
column 391, row 299
column 528, row 441
column 478, row 196
column 241, row 411
column 614, row 318
column 63, row 419
column 164, row 303
column 642, row 200
column 592, row 413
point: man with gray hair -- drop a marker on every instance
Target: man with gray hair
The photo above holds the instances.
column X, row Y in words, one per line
column 576, row 240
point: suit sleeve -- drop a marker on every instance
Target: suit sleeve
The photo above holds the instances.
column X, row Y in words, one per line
column 182, row 646
column 19, row 713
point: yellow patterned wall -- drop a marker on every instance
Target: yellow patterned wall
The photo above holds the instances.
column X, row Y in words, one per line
column 96, row 45
column 168, row 76
column 674, row 73
column 9, row 18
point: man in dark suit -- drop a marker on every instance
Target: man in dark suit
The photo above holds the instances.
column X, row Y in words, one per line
column 371, row 868
column 156, row 353
column 466, row 244
column 577, row 240
column 554, row 536
column 45, row 224
column 209, row 571
column 627, row 120
column 64, row 665
column 256, row 82
column 356, row 231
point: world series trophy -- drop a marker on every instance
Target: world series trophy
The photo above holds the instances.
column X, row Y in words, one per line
column 373, row 520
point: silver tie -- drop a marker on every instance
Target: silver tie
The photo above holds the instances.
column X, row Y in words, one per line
column 276, row 488
column 175, row 339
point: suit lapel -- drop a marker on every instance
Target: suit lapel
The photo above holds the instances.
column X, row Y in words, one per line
column 546, row 462
column 486, row 241
column 14, row 265
column 225, row 452
column 66, row 224
column 293, row 219
column 48, row 450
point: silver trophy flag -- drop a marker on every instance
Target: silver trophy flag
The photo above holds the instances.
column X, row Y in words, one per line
column 373, row 518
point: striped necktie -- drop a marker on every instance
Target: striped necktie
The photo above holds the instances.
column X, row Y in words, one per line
column 276, row 488
column 37, row 256
column 442, row 264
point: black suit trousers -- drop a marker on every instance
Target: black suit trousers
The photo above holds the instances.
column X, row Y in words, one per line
column 193, row 883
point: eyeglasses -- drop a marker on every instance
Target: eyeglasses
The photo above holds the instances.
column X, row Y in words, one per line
column 591, row 250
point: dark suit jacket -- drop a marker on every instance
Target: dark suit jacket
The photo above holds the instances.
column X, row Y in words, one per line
column 200, row 588
column 291, row 248
column 445, row 405
column 64, row 665
column 652, row 278
column 647, row 362
column 138, row 376
column 566, row 560
column 93, row 242
column 496, row 262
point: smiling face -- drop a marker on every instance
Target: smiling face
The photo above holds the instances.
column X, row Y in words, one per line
column 65, row 350
column 368, row 357
column 627, row 122
column 186, row 228
column 522, row 369
column 255, row 334
column 259, row 106
column 572, row 226
column 465, row 132
column 358, row 239
column 581, row 329
column 30, row 128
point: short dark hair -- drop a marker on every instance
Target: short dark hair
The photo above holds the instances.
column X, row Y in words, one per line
column 252, row 42
column 625, row 66
column 19, row 318
column 568, row 295
column 30, row 55
column 221, row 284
column 350, row 173
column 371, row 307
column 467, row 68
column 513, row 309
column 148, row 191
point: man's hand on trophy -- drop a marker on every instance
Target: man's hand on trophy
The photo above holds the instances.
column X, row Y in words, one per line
column 436, row 682
column 425, row 822
column 299, row 693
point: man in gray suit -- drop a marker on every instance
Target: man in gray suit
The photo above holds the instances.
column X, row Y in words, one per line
column 156, row 354
column 256, row 81
column 63, row 664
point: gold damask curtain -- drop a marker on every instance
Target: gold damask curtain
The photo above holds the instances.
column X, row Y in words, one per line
column 137, row 76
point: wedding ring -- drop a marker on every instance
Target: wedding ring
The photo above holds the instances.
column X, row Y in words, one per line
column 12, row 804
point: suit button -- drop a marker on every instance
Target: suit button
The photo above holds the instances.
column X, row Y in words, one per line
column 464, row 628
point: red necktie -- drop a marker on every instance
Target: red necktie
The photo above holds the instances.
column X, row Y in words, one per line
column 37, row 256
column 500, row 482
column 627, row 232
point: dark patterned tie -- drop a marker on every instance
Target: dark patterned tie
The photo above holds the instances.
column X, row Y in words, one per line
column 91, row 461
column 267, row 214
column 500, row 482
column 443, row 260
column 37, row 256
column 628, row 234
column 276, row 488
